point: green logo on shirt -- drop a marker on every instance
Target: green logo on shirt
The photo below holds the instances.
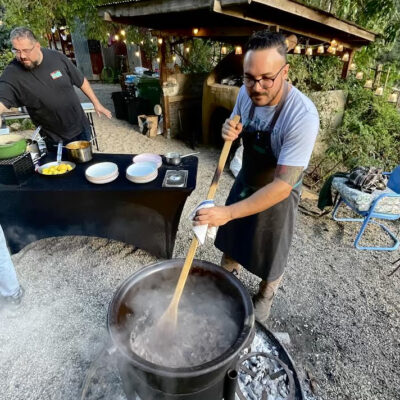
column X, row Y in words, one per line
column 56, row 74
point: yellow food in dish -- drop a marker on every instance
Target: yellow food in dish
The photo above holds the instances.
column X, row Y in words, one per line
column 57, row 169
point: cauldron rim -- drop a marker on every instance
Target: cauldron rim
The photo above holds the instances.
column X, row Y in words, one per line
column 181, row 372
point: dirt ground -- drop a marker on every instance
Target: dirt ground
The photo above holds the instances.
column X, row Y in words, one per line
column 338, row 304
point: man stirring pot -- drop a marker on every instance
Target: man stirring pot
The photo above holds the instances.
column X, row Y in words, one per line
column 279, row 125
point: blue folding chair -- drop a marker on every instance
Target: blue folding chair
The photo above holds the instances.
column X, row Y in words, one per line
column 381, row 204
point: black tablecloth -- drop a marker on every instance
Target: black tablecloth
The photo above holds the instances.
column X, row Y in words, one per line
column 145, row 215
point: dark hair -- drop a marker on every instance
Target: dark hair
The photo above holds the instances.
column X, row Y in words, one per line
column 266, row 40
column 22, row 32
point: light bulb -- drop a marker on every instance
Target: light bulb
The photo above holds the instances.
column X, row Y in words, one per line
column 159, row 40
column 137, row 54
column 297, row 49
column 122, row 32
column 116, row 37
column 223, row 50
column 195, row 31
column 187, row 49
column 368, row 84
column 309, row 51
column 334, row 43
column 340, row 47
column 345, row 57
column 393, row 98
column 158, row 59
column 379, row 91
column 359, row 75
column 320, row 49
column 142, row 42
column 174, row 57
column 353, row 67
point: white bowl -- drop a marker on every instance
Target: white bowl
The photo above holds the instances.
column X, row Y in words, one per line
column 147, row 179
column 101, row 171
column 141, row 169
column 150, row 157
column 102, row 181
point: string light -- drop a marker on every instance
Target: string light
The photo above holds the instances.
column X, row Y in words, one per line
column 359, row 75
column 142, row 42
column 352, row 67
column 223, row 50
column 379, row 91
column 158, row 59
column 151, row 40
column 116, row 37
column 122, row 32
column 331, row 50
column 320, row 49
column 159, row 40
column 195, row 31
column 309, row 51
column 334, row 43
column 137, row 53
column 131, row 42
column 174, row 58
column 238, row 50
column 345, row 57
column 187, row 49
column 340, row 47
column 297, row 49
column 108, row 33
column 124, row 40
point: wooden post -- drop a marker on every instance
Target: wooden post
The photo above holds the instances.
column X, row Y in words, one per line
column 164, row 78
column 378, row 74
column 346, row 65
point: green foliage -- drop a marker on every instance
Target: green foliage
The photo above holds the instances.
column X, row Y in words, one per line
column 202, row 57
column 5, row 57
column 369, row 134
column 314, row 73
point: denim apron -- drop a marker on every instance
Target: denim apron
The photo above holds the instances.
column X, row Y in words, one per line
column 260, row 242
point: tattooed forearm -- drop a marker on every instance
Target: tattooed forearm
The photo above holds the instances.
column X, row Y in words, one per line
column 288, row 174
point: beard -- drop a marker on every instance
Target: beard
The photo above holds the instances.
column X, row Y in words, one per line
column 30, row 66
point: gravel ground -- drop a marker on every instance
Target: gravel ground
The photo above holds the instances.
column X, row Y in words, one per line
column 338, row 304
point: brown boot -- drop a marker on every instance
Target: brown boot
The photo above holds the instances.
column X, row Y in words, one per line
column 230, row 264
column 264, row 298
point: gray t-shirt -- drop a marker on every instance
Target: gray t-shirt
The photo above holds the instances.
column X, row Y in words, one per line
column 295, row 131
column 48, row 93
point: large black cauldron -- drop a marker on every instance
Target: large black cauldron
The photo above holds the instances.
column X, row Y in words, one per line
column 155, row 382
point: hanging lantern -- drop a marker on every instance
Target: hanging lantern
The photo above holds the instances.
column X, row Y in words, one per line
column 238, row 50
column 137, row 54
column 122, row 32
column 108, row 33
column 379, row 91
column 195, row 31
column 116, row 37
column 334, row 43
column 158, row 59
column 142, row 42
column 151, row 40
column 187, row 49
column 359, row 75
column 329, row 50
column 124, row 41
column 132, row 43
column 340, row 47
column 393, row 98
column 320, row 49
column 159, row 40
column 345, row 57
column 297, row 49
column 223, row 50
column 309, row 51
column 174, row 58
column 352, row 67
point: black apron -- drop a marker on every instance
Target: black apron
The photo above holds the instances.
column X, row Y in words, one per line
column 260, row 242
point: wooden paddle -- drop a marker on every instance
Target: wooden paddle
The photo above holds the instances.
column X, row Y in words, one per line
column 169, row 319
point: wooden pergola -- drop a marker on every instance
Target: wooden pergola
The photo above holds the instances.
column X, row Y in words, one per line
column 233, row 21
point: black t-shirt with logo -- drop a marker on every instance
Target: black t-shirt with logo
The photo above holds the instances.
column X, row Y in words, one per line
column 48, row 94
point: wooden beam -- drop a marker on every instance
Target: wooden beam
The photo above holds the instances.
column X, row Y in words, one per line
column 322, row 17
column 231, row 31
column 265, row 22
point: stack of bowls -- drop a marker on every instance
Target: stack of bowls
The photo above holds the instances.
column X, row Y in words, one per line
column 150, row 157
column 101, row 173
column 142, row 172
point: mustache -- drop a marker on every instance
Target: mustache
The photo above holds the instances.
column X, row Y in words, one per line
column 259, row 94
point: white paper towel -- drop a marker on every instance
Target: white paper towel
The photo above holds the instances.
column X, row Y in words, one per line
column 202, row 230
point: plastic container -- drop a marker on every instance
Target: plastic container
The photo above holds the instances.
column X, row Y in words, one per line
column 120, row 105
column 149, row 88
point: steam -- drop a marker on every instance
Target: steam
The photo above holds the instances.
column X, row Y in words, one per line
column 206, row 323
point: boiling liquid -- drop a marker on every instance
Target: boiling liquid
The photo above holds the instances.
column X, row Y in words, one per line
column 207, row 323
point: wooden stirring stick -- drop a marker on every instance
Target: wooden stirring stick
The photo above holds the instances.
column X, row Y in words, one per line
column 169, row 319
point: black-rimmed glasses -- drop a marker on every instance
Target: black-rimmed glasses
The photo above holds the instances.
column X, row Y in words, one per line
column 264, row 82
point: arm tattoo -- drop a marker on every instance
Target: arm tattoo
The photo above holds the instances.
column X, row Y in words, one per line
column 288, row 174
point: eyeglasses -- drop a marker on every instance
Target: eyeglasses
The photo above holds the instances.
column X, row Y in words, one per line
column 265, row 83
column 26, row 51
